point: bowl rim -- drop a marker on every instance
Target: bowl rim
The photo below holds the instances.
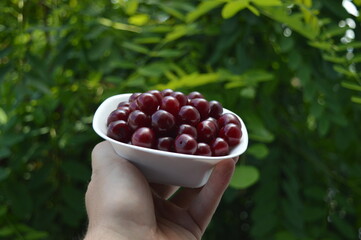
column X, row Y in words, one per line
column 99, row 119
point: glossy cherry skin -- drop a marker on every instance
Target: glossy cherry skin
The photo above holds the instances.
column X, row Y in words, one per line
column 206, row 131
column 232, row 133
column 187, row 129
column 165, row 144
column 138, row 119
column 157, row 94
column 148, row 103
column 226, row 118
column 123, row 104
column 219, row 147
column 120, row 131
column 162, row 121
column 188, row 115
column 166, row 92
column 202, row 105
column 195, row 94
column 215, row 109
column 118, row 114
column 186, row 144
column 143, row 137
column 181, row 97
column 134, row 96
column 203, row 149
column 170, row 104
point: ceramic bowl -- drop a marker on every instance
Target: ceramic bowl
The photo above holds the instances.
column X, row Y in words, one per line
column 160, row 166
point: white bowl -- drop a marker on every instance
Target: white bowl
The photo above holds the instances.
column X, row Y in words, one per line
column 160, row 166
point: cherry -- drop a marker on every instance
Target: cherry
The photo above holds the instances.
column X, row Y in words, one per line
column 143, row 137
column 134, row 96
column 203, row 149
column 118, row 114
column 195, row 94
column 232, row 133
column 165, row 144
column 170, row 104
column 228, row 118
column 185, row 143
column 166, row 92
column 123, row 104
column 219, row 147
column 189, row 115
column 215, row 109
column 173, row 121
column 133, row 106
column 162, row 121
column 148, row 103
column 120, row 131
column 138, row 119
column 182, row 99
column 201, row 105
column 214, row 121
column 157, row 94
column 187, row 129
column 207, row 131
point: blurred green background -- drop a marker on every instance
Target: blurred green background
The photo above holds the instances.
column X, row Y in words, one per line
column 290, row 68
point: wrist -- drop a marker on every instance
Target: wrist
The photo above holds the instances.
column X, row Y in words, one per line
column 104, row 234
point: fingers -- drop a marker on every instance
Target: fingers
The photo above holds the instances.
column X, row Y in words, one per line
column 185, row 196
column 163, row 191
column 205, row 203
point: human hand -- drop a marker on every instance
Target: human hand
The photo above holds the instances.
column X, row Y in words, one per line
column 121, row 204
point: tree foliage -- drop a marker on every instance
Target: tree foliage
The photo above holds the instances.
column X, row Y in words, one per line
column 290, row 68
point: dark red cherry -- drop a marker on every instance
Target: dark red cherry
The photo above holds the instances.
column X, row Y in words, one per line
column 187, row 129
column 123, row 104
column 133, row 106
column 157, row 94
column 232, row 133
column 203, row 149
column 166, row 92
column 118, row 114
column 143, row 137
column 181, row 97
column 148, row 103
column 202, row 105
column 226, row 118
column 162, row 121
column 188, row 115
column 215, row 109
column 120, row 131
column 165, row 144
column 134, row 96
column 170, row 104
column 219, row 147
column 138, row 119
column 185, row 143
column 206, row 131
column 195, row 94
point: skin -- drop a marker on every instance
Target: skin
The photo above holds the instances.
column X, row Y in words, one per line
column 121, row 204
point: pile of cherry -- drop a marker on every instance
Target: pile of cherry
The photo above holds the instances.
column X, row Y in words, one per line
column 172, row 121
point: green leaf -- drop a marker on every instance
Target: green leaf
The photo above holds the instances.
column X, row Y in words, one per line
column 180, row 31
column 259, row 151
column 139, row 19
column 233, row 7
column 351, row 86
column 203, row 8
column 356, row 99
column 172, row 11
column 3, row 117
column 135, row 47
column 244, row 176
column 284, row 235
column 267, row 3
